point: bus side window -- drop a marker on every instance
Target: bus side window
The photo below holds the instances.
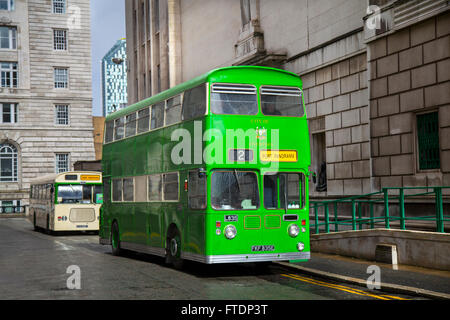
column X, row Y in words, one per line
column 119, row 128
column 130, row 125
column 170, row 186
column 173, row 110
column 154, row 187
column 157, row 120
column 196, row 190
column 109, row 132
column 194, row 103
column 143, row 120
column 117, row 185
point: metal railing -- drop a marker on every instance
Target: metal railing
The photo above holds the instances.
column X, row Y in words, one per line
column 373, row 210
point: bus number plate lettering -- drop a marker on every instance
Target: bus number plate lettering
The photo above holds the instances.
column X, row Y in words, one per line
column 240, row 155
column 231, row 218
column 263, row 248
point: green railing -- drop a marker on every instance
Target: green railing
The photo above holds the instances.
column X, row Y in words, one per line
column 372, row 210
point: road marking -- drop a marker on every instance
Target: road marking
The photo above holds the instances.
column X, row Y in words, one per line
column 341, row 287
column 63, row 246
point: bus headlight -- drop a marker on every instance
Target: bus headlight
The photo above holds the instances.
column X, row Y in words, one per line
column 300, row 246
column 230, row 232
column 293, row 230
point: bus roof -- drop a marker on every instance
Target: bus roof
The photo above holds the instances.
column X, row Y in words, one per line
column 219, row 75
column 51, row 178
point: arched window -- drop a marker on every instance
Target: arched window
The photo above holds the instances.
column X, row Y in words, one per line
column 8, row 163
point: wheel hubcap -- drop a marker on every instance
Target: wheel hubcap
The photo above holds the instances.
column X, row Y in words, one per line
column 173, row 247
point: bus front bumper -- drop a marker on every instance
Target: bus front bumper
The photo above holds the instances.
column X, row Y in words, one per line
column 233, row 258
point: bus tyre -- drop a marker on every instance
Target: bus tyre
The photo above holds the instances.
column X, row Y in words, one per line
column 173, row 250
column 115, row 240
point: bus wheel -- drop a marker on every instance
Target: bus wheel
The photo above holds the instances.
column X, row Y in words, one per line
column 173, row 250
column 115, row 240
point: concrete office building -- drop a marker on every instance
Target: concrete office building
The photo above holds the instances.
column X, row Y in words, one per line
column 375, row 75
column 45, row 93
column 114, row 78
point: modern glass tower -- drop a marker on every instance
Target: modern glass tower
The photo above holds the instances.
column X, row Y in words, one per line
column 114, row 78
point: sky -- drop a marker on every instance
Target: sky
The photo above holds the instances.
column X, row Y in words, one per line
column 107, row 26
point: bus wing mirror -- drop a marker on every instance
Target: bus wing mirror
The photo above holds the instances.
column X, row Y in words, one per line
column 313, row 175
column 201, row 173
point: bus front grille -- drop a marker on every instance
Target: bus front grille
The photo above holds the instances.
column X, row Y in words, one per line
column 272, row 221
column 82, row 215
column 252, row 222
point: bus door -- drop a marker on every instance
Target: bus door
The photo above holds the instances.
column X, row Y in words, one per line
column 282, row 199
column 195, row 206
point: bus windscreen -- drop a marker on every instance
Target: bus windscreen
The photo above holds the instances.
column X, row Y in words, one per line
column 86, row 194
column 234, row 190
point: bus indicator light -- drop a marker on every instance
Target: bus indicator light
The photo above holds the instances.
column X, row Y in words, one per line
column 303, row 222
column 218, row 224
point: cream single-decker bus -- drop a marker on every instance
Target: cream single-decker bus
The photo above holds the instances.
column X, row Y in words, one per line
column 68, row 201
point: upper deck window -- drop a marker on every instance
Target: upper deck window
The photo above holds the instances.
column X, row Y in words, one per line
column 281, row 101
column 194, row 103
column 234, row 99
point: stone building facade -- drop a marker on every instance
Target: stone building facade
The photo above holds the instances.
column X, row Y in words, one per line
column 46, row 81
column 371, row 71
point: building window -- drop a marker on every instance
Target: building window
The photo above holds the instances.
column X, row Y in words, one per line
column 62, row 162
column 8, row 37
column 59, row 6
column 61, row 76
column 9, row 74
column 245, row 12
column 8, row 163
column 156, row 17
column 428, row 141
column 11, row 206
column 60, row 39
column 62, row 114
column 7, row 5
column 8, row 113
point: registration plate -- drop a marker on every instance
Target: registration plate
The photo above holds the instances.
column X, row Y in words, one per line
column 231, row 218
column 263, row 248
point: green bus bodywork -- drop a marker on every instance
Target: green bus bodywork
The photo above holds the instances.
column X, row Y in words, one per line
column 261, row 234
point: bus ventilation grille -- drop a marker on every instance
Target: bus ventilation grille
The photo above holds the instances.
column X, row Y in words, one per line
column 281, row 91
column 233, row 88
column 272, row 221
column 82, row 215
column 252, row 222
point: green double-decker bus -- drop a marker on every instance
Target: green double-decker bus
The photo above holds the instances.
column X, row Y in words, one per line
column 213, row 170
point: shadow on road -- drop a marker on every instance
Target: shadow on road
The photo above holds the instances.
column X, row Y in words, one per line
column 202, row 270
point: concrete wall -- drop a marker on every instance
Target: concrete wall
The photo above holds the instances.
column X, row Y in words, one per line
column 415, row 248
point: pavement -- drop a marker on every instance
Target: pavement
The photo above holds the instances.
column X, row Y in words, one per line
column 428, row 283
